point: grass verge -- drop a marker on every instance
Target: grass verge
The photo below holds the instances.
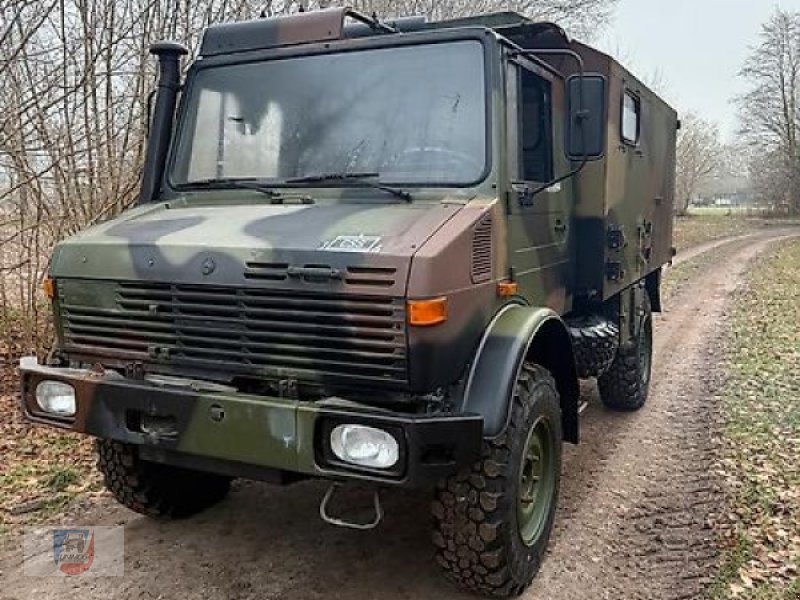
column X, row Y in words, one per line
column 693, row 230
column 761, row 436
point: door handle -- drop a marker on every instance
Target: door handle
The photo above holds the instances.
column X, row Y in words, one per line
column 560, row 227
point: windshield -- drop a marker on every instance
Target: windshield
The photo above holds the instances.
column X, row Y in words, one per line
column 411, row 115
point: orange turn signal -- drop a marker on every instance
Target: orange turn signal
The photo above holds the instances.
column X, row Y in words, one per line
column 49, row 288
column 507, row 288
column 425, row 313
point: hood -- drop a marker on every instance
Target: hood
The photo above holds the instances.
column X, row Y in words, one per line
column 356, row 248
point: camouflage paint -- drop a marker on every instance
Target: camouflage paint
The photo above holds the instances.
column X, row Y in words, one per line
column 218, row 250
column 274, row 433
column 630, row 189
column 538, row 224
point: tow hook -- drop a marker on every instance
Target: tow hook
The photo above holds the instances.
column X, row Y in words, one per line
column 343, row 522
column 158, row 427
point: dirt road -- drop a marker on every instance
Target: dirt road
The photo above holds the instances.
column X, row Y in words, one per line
column 638, row 504
column 695, row 251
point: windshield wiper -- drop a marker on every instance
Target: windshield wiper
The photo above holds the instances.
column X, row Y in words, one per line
column 324, row 177
column 360, row 179
column 265, row 186
column 259, row 185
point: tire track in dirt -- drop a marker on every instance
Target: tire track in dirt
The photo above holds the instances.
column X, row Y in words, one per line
column 637, row 502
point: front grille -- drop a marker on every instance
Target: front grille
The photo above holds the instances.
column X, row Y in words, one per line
column 382, row 277
column 322, row 338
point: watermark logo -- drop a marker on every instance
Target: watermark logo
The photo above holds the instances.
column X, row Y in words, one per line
column 74, row 551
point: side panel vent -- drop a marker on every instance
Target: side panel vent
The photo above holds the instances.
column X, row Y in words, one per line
column 482, row 250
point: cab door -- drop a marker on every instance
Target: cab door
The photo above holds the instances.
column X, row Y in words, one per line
column 538, row 222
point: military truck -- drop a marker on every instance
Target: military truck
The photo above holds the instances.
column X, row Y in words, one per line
column 374, row 253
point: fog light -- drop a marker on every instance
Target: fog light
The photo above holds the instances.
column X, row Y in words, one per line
column 56, row 398
column 365, row 446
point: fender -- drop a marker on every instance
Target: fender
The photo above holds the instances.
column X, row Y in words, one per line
column 517, row 334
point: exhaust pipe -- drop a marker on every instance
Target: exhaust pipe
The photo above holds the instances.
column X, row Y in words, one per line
column 169, row 57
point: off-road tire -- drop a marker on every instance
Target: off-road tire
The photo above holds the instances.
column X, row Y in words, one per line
column 626, row 384
column 594, row 344
column 156, row 490
column 478, row 542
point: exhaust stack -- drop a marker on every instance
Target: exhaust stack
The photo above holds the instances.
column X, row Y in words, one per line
column 169, row 56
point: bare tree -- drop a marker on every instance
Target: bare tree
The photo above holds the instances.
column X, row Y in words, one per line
column 769, row 110
column 75, row 76
column 698, row 158
column 769, row 180
column 582, row 18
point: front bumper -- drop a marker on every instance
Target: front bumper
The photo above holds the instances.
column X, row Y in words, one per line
column 187, row 424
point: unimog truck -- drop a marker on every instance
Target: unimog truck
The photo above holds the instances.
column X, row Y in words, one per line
column 375, row 253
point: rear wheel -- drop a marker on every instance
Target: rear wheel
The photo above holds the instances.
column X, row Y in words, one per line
column 154, row 489
column 492, row 522
column 626, row 384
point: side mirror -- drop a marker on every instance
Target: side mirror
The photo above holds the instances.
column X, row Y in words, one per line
column 586, row 114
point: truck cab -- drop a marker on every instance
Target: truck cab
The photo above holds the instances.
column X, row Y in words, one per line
column 379, row 252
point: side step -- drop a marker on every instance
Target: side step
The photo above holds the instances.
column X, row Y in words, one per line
column 595, row 340
column 324, row 511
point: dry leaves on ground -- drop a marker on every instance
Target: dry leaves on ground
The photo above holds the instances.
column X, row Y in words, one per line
column 761, row 461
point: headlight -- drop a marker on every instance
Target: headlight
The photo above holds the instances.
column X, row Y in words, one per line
column 56, row 398
column 365, row 446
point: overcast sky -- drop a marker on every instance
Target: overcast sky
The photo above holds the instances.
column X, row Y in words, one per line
column 696, row 46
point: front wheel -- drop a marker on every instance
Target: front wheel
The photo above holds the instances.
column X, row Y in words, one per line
column 492, row 521
column 154, row 489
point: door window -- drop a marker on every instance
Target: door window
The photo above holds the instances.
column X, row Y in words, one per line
column 535, row 135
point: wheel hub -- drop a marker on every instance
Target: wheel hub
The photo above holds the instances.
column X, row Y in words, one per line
column 536, row 481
